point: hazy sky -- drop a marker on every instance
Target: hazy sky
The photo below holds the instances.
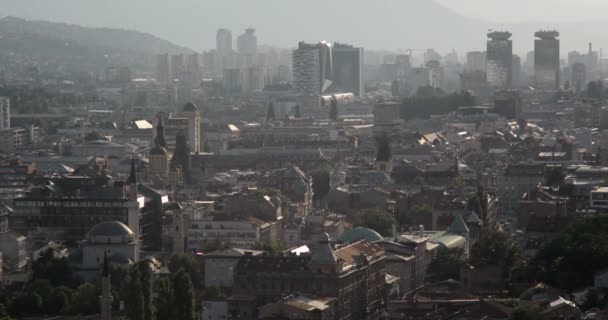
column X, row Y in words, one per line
column 193, row 22
column 531, row 10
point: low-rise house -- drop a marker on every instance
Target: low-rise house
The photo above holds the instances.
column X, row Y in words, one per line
column 219, row 266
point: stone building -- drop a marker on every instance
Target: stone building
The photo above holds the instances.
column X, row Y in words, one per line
column 354, row 275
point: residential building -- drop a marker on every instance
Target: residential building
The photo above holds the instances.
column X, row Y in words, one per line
column 508, row 104
column 387, row 117
column 163, row 68
column 219, row 266
column 300, row 308
column 515, row 181
column 476, row 61
column 356, row 284
column 5, row 113
column 578, row 79
column 247, row 47
column 13, row 253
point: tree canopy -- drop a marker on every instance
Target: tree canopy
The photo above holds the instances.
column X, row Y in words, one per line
column 571, row 259
column 270, row 112
column 376, row 219
column 431, row 101
column 320, row 184
column 189, row 264
column 554, row 176
column 495, row 248
column 184, row 294
column 383, row 147
column 333, row 109
column 55, row 270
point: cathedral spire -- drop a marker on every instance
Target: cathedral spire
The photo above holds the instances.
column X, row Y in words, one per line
column 160, row 134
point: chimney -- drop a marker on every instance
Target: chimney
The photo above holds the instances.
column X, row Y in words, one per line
column 421, row 230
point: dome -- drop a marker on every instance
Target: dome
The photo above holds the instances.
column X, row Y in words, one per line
column 158, row 151
column 110, row 229
column 359, row 233
column 190, row 107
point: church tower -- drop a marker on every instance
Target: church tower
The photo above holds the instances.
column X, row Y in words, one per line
column 159, row 158
column 105, row 300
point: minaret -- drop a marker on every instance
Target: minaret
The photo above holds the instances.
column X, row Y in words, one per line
column 105, row 300
column 133, row 206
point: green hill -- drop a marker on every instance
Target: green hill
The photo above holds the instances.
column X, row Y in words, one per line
column 63, row 48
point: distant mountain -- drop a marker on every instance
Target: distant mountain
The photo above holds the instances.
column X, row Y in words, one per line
column 60, row 47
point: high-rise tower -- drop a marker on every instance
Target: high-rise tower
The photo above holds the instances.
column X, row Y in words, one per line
column 499, row 60
column 348, row 68
column 546, row 60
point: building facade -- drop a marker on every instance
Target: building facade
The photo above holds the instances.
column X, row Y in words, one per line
column 5, row 113
column 163, row 68
column 348, row 68
column 499, row 59
column 546, row 60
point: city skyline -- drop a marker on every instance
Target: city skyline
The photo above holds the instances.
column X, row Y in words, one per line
column 469, row 19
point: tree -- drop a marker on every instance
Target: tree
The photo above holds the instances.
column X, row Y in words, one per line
column 55, row 270
column 134, row 295
column 86, row 300
column 41, row 287
column 270, row 112
column 595, row 90
column 145, row 278
column 404, row 217
column 164, row 299
column 571, row 258
column 496, row 248
column 527, row 312
column 26, row 303
column 320, row 184
column 3, row 313
column 190, row 265
column 58, row 302
column 298, row 112
column 333, row 109
column 273, row 247
column 375, row 219
column 93, row 136
column 184, row 293
column 446, row 265
column 383, row 146
column 554, row 176
column 431, row 101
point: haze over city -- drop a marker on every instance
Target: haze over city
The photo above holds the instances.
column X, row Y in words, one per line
column 191, row 22
column 303, row 160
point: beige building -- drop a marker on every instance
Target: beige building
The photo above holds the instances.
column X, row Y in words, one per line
column 187, row 120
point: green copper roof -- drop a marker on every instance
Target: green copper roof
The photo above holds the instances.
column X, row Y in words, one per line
column 359, row 233
column 458, row 227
